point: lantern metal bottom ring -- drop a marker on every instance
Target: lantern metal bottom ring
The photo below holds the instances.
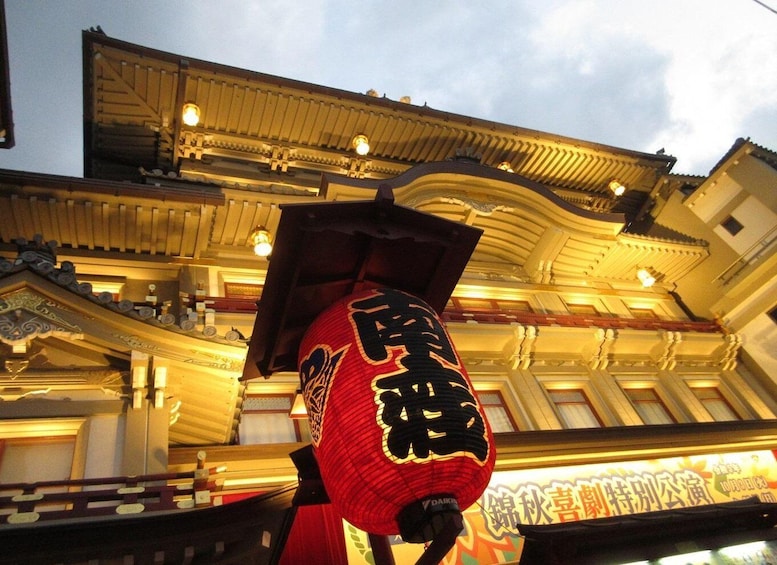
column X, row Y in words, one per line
column 423, row 520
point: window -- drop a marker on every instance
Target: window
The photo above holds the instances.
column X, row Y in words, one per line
column 732, row 225
column 36, row 459
column 496, row 412
column 718, row 407
column 44, row 449
column 574, row 408
column 643, row 313
column 513, row 305
column 649, row 406
column 472, row 303
column 489, row 305
column 266, row 420
column 582, row 309
column 242, row 290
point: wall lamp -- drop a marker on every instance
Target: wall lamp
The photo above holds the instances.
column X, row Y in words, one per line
column 505, row 166
column 298, row 408
column 260, row 239
column 191, row 114
column 616, row 187
column 361, row 144
column 646, row 277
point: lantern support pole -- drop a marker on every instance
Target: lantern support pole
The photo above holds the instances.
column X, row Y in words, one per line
column 381, row 549
column 443, row 541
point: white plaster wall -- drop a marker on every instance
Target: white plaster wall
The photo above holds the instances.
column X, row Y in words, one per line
column 757, row 220
column 105, row 447
column 760, row 341
column 713, row 199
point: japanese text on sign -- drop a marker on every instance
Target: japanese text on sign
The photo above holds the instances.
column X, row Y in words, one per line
column 584, row 493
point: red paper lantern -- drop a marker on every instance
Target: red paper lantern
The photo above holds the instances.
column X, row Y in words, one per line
column 397, row 430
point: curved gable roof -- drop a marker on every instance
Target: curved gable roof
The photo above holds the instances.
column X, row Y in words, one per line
column 525, row 224
column 53, row 329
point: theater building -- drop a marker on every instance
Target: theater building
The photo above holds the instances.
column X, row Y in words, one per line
column 617, row 320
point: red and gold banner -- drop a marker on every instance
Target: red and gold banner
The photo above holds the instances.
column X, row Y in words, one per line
column 582, row 492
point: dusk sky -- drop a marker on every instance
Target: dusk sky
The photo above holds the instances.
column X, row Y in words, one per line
column 688, row 76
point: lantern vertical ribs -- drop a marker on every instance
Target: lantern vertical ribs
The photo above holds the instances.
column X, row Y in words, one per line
column 399, row 435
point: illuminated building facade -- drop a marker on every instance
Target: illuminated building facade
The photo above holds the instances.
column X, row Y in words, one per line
column 617, row 320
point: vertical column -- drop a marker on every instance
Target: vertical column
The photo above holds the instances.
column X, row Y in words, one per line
column 136, row 426
column 158, row 420
column 147, row 418
column 519, row 353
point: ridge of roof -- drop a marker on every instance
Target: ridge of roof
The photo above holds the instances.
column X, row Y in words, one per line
column 660, row 233
column 740, row 141
column 760, row 152
column 188, row 192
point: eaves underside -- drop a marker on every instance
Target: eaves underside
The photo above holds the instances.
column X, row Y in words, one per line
column 279, row 124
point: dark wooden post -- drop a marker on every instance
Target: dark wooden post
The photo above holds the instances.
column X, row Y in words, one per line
column 381, row 550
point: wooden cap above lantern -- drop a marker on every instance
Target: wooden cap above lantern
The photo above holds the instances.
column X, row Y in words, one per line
column 328, row 250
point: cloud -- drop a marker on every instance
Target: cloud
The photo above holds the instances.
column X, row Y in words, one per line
column 632, row 74
column 689, row 76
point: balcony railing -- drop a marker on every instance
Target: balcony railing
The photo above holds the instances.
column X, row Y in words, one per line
column 497, row 315
column 575, row 320
column 750, row 257
column 24, row 503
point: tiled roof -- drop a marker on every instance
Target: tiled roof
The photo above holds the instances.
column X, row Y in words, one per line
column 40, row 258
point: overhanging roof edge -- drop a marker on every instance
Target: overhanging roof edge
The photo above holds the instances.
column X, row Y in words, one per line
column 662, row 162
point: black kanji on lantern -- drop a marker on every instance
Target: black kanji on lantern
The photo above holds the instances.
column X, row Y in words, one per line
column 428, row 407
column 395, row 319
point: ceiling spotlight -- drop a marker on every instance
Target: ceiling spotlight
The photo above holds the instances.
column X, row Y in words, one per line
column 646, row 277
column 191, row 114
column 361, row 144
column 505, row 166
column 617, row 188
column 260, row 239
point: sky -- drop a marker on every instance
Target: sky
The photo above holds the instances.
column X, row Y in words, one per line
column 685, row 76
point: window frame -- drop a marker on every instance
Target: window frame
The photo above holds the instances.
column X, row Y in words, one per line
column 502, row 404
column 490, row 305
column 659, row 400
column 732, row 225
column 49, row 430
column 585, row 392
column 720, row 396
column 300, row 426
column 772, row 313
column 582, row 309
column 242, row 290
column 643, row 313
